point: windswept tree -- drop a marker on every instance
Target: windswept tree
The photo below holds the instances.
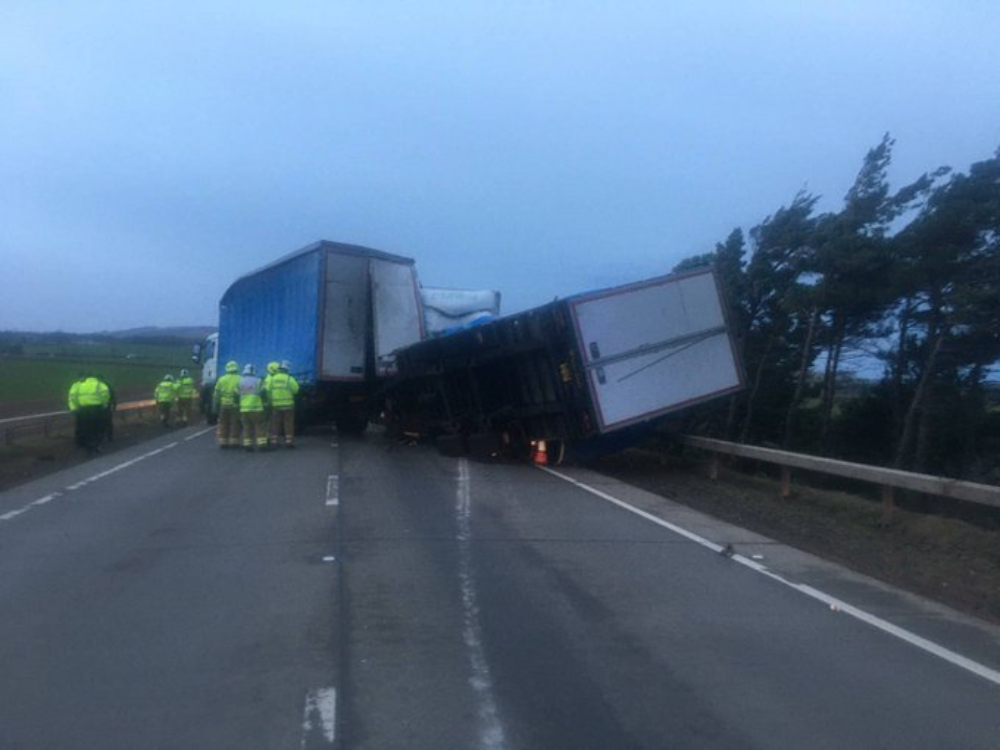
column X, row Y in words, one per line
column 951, row 274
column 804, row 288
column 780, row 244
column 852, row 262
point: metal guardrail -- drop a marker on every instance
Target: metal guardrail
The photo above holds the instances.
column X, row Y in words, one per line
column 887, row 479
column 51, row 423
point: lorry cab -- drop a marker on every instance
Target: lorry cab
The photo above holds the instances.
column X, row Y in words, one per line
column 206, row 354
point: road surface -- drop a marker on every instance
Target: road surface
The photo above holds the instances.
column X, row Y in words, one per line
column 363, row 594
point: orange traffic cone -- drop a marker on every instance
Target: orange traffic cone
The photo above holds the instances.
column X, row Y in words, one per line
column 541, row 454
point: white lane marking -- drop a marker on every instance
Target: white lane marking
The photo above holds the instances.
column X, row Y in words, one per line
column 330, row 559
column 119, row 467
column 46, row 499
column 491, row 733
column 199, row 434
column 320, row 721
column 83, row 483
column 885, row 626
column 333, row 490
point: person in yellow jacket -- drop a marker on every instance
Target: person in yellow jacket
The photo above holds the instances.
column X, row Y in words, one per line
column 165, row 396
column 89, row 398
column 272, row 369
column 252, row 410
column 281, row 389
column 225, row 403
column 185, row 394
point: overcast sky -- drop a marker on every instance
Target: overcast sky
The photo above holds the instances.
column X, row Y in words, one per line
column 150, row 153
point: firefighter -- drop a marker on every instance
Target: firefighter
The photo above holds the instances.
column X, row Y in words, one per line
column 225, row 403
column 88, row 401
column 272, row 369
column 165, row 396
column 281, row 389
column 185, row 394
column 252, row 410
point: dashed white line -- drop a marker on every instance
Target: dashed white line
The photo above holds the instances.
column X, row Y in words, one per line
column 877, row 622
column 319, row 725
column 333, row 490
column 199, row 433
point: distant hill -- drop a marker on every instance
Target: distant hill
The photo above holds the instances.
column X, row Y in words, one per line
column 185, row 333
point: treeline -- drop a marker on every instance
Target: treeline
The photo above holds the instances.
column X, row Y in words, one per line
column 870, row 333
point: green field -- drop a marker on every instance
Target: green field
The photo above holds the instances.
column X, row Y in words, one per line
column 43, row 378
column 113, row 350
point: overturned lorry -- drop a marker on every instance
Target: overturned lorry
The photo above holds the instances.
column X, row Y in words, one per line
column 575, row 372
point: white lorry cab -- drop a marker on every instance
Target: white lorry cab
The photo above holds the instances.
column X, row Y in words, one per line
column 206, row 354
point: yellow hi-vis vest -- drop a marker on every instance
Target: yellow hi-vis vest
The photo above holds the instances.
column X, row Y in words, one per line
column 281, row 389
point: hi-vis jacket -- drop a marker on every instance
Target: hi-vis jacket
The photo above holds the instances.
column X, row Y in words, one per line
column 281, row 389
column 88, row 392
column 185, row 387
column 226, row 393
column 165, row 393
column 250, row 394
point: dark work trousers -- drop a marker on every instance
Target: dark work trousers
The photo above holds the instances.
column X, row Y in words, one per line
column 91, row 426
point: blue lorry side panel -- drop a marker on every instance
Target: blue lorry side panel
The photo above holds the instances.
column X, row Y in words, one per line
column 273, row 314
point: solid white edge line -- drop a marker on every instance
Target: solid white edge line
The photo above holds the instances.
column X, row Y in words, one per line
column 885, row 626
